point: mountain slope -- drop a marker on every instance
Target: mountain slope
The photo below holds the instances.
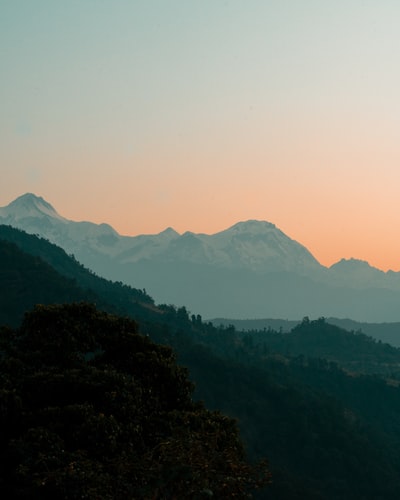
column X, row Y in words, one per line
column 310, row 418
column 250, row 270
column 34, row 270
column 27, row 280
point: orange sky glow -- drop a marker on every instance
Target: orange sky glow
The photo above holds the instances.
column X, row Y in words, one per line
column 152, row 114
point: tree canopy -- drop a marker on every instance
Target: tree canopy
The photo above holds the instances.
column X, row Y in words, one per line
column 89, row 408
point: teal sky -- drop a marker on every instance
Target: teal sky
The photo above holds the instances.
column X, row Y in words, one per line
column 148, row 114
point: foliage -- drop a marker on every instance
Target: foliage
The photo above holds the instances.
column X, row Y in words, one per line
column 328, row 433
column 89, row 408
column 114, row 296
column 26, row 280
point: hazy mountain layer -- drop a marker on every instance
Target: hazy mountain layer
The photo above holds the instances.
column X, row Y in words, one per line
column 250, row 270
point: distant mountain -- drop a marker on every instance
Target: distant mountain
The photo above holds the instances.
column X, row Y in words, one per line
column 253, row 245
column 250, row 270
column 29, row 207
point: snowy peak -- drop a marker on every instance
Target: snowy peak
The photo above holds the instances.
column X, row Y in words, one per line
column 169, row 233
column 261, row 246
column 251, row 227
column 29, row 206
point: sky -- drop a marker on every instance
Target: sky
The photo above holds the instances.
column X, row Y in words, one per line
column 200, row 114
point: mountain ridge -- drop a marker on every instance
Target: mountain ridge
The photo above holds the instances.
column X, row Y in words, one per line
column 251, row 269
column 30, row 205
column 253, row 240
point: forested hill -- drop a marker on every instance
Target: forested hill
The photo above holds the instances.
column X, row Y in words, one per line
column 354, row 351
column 92, row 409
column 34, row 270
column 385, row 332
column 67, row 265
column 26, row 280
column 328, row 433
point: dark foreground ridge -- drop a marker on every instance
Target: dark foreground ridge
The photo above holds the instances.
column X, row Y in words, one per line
column 92, row 409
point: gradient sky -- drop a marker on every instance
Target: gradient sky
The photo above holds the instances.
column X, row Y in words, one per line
column 199, row 114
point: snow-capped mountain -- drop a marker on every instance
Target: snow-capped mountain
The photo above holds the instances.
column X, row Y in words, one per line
column 249, row 270
column 253, row 245
column 29, row 207
column 36, row 216
column 261, row 246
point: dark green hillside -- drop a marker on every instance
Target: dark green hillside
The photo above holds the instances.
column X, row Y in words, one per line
column 329, row 433
column 384, row 332
column 91, row 409
column 121, row 296
column 354, row 351
column 26, row 280
column 282, row 325
column 318, row 446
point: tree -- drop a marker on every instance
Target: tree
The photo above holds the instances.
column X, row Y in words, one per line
column 91, row 409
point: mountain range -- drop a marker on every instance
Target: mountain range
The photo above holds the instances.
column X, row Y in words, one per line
column 319, row 402
column 250, row 270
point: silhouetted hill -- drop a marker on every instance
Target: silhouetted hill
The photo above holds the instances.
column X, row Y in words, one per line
column 385, row 332
column 36, row 270
column 27, row 280
column 354, row 351
column 327, row 433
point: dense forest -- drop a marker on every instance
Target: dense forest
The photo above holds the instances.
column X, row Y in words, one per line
column 385, row 332
column 92, row 409
column 322, row 404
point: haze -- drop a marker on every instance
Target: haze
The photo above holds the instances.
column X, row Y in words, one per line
column 196, row 115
